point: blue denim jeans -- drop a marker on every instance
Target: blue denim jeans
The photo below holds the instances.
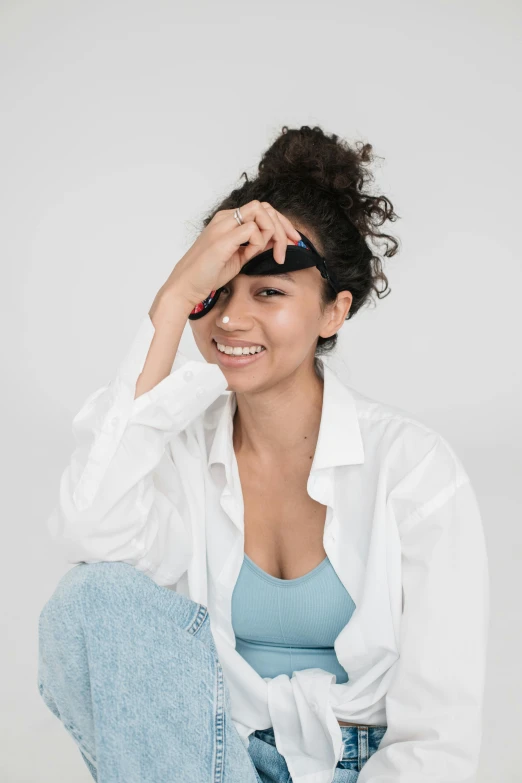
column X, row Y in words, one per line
column 130, row 668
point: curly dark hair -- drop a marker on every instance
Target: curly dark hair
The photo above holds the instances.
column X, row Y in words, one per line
column 320, row 181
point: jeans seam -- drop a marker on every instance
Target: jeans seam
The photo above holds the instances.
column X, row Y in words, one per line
column 219, row 726
column 362, row 743
column 198, row 620
column 69, row 727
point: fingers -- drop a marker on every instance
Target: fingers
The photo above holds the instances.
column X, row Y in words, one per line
column 249, row 232
column 284, row 231
column 292, row 232
column 274, row 228
column 279, row 237
column 270, row 228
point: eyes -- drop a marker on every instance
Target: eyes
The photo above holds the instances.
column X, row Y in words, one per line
column 279, row 293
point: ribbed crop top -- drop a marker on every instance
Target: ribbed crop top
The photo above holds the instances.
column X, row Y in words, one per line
column 285, row 625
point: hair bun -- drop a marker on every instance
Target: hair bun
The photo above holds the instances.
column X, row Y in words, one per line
column 307, row 153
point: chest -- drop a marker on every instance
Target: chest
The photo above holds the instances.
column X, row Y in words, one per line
column 283, row 525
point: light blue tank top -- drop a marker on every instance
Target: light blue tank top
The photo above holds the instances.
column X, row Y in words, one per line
column 285, row 625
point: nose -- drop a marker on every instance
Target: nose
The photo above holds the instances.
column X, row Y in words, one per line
column 235, row 309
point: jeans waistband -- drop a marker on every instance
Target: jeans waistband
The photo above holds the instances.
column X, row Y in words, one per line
column 348, row 732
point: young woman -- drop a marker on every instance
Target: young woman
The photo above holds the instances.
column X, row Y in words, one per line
column 279, row 578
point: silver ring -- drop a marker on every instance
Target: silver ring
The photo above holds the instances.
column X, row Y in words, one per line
column 237, row 215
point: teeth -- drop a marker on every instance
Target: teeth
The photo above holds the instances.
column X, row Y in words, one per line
column 233, row 351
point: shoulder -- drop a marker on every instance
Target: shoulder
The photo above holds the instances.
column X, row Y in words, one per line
column 406, row 445
column 417, row 468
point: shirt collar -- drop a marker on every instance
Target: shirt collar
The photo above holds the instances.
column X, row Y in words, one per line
column 339, row 441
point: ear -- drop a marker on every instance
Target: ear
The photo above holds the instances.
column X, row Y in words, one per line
column 336, row 314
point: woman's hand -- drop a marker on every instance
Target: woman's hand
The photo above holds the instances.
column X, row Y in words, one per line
column 217, row 254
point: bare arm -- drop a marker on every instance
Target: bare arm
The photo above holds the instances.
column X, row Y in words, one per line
column 169, row 313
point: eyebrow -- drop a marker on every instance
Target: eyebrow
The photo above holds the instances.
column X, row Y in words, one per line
column 284, row 275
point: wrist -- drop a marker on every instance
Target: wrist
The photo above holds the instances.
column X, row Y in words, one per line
column 171, row 302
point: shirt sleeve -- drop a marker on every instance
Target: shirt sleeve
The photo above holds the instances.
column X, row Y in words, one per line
column 434, row 701
column 120, row 496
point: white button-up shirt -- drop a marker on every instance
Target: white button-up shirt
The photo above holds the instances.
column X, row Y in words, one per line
column 154, row 482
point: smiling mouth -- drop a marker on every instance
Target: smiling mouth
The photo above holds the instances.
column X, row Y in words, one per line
column 234, row 347
column 239, row 359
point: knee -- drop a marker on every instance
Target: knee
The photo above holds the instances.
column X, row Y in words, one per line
column 93, row 591
column 86, row 586
column 98, row 579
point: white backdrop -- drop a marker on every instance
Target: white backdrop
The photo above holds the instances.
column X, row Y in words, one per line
column 123, row 121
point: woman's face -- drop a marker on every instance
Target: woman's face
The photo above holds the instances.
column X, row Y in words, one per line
column 281, row 315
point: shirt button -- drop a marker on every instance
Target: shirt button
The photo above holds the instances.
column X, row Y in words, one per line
column 314, row 707
column 188, row 375
column 200, row 391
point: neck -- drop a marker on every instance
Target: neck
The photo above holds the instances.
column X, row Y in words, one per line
column 280, row 423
